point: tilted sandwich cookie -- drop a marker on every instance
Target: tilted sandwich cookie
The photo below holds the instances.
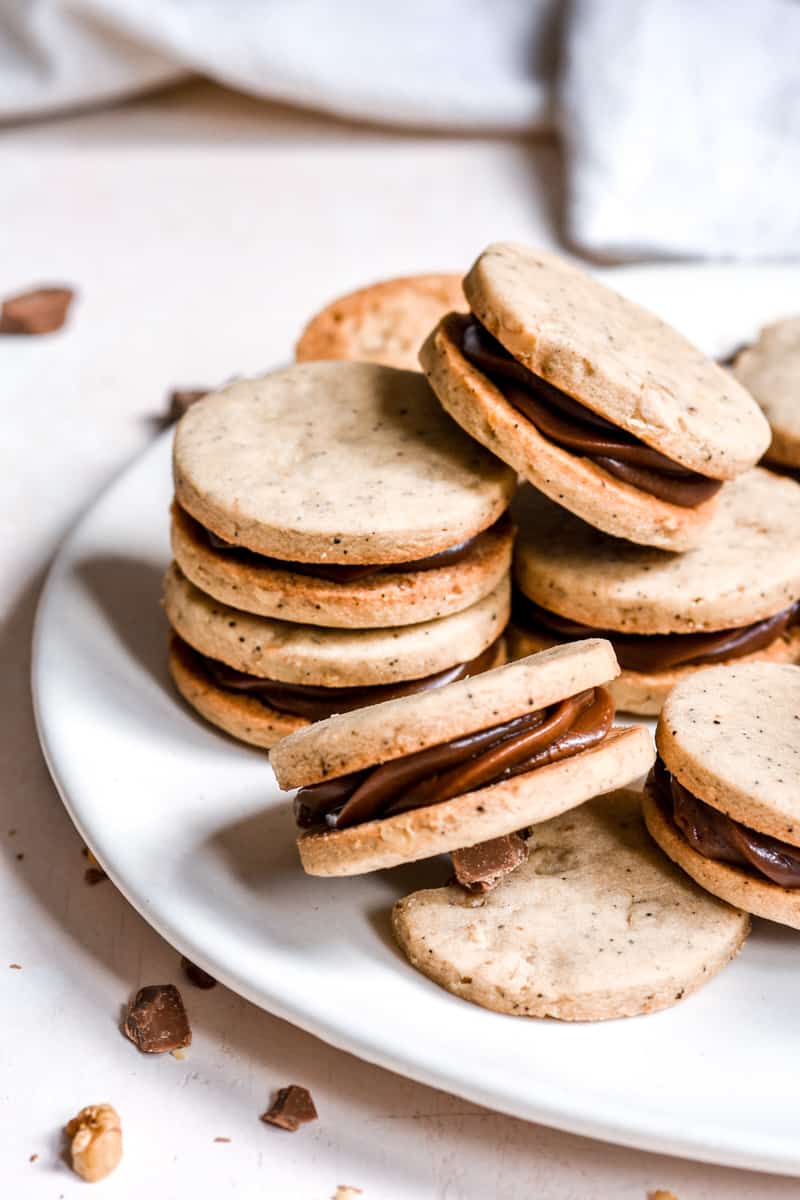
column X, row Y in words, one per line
column 385, row 323
column 598, row 403
column 770, row 370
column 596, row 924
column 736, row 597
column 723, row 799
column 461, row 765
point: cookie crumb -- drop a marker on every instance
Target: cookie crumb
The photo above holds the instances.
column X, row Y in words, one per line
column 292, row 1107
column 95, row 1142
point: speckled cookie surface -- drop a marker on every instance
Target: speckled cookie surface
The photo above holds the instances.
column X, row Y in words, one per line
column 574, row 482
column 746, row 891
column 770, row 370
column 596, row 924
column 747, row 568
column 384, row 323
column 623, row 756
column 731, row 736
column 293, row 653
column 352, row 741
column 616, row 358
column 335, row 462
column 388, row 598
column 242, row 716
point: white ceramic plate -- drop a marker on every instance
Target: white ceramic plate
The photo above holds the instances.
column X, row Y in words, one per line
column 191, row 827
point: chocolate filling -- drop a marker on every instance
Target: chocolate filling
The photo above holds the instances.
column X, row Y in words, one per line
column 345, row 572
column 573, row 427
column 661, row 651
column 718, row 837
column 464, row 764
column 315, row 703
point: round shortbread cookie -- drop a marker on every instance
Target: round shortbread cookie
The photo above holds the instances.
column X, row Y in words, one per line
column 747, row 569
column 389, row 598
column 242, row 716
column 597, row 924
column 574, row 482
column 644, row 692
column 384, row 323
column 749, row 892
column 770, row 370
column 292, row 653
column 621, row 758
column 396, row 728
column 617, row 359
column 731, row 736
column 335, row 462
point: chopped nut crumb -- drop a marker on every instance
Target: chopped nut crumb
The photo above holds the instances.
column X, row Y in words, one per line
column 221, row 1139
column 95, row 1141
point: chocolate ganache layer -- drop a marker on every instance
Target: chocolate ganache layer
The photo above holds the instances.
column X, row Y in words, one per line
column 464, row 764
column 576, row 428
column 648, row 652
column 717, row 836
column 316, row 703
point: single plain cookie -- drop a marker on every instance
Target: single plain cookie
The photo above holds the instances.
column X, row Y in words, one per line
column 384, row 323
column 335, row 462
column 388, row 598
column 292, row 653
column 770, row 370
column 597, row 924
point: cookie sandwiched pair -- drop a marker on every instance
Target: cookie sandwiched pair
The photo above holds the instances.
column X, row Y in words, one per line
column 598, row 403
column 338, row 540
column 770, row 370
column 736, row 598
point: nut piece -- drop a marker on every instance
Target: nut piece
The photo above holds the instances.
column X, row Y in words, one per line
column 96, row 1141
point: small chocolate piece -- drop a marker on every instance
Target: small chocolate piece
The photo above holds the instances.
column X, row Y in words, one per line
column 480, row 868
column 180, row 400
column 94, row 875
column 43, row 310
column 197, row 975
column 156, row 1020
column 291, row 1108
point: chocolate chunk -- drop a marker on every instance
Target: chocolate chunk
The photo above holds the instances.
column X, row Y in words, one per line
column 43, row 310
column 197, row 975
column 291, row 1108
column 181, row 400
column 480, row 868
column 94, row 875
column 156, row 1020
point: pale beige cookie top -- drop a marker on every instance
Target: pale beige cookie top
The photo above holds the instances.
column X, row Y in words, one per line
column 731, row 735
column 350, row 741
column 616, row 358
column 770, row 370
column 335, row 462
column 746, row 569
column 596, row 924
column 384, row 323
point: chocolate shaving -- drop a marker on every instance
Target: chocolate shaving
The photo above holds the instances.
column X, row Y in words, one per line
column 43, row 310
column 197, row 975
column 480, row 868
column 156, row 1020
column 291, row 1108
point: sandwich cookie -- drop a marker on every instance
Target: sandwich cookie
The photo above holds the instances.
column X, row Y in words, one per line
column 723, row 799
column 259, row 678
column 597, row 924
column 770, row 370
column 338, row 494
column 385, row 323
column 737, row 597
column 472, row 761
column 598, row 403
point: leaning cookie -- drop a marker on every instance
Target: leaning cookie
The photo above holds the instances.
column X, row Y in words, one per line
column 597, row 924
column 451, row 768
column 737, row 597
column 723, row 799
column 598, row 403
column 770, row 370
column 384, row 323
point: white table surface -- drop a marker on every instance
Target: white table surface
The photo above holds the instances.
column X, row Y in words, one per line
column 201, row 229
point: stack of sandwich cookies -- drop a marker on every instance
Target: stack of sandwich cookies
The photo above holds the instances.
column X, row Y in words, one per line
column 476, row 760
column 770, row 370
column 735, row 598
column 598, row 403
column 336, row 538
column 723, row 799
